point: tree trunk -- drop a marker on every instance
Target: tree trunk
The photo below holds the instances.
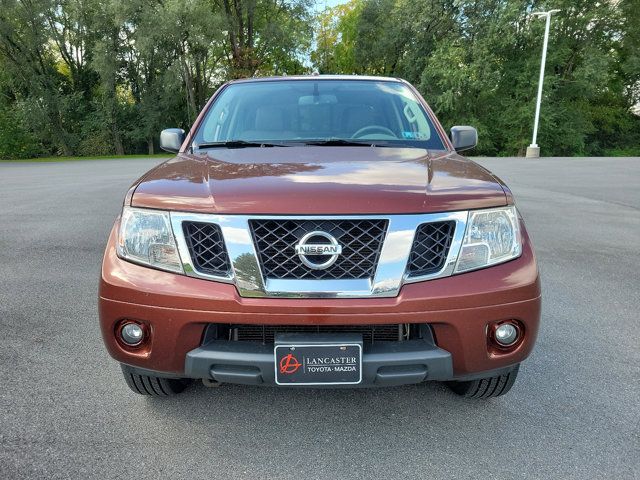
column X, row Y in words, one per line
column 188, row 83
column 112, row 99
column 150, row 146
column 117, row 138
column 63, row 135
column 113, row 117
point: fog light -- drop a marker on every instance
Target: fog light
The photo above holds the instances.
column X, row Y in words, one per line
column 506, row 334
column 131, row 334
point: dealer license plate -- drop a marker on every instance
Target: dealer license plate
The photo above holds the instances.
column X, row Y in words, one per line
column 325, row 364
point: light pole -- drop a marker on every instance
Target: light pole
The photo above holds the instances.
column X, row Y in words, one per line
column 533, row 151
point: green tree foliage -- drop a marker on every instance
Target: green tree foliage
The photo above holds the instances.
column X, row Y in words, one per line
column 89, row 77
column 336, row 33
column 477, row 62
column 265, row 35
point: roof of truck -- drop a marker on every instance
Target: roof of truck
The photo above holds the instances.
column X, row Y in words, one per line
column 316, row 77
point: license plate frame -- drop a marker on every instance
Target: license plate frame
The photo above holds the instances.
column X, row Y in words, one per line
column 303, row 360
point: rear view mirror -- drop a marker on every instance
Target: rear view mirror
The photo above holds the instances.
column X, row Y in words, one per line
column 171, row 139
column 317, row 99
column 464, row 138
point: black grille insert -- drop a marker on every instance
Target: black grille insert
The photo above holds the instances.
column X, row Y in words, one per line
column 361, row 242
column 207, row 249
column 370, row 333
column 430, row 248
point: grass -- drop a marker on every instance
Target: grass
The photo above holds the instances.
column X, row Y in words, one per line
column 75, row 159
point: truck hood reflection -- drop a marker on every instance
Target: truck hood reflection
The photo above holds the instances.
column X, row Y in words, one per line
column 319, row 180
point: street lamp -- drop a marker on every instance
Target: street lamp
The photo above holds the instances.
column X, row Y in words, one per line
column 533, row 151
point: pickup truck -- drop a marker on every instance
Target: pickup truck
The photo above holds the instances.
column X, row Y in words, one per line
column 319, row 231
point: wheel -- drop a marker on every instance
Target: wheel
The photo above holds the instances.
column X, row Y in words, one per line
column 486, row 387
column 153, row 386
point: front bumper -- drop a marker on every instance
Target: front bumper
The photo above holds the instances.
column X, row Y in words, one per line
column 383, row 364
column 458, row 310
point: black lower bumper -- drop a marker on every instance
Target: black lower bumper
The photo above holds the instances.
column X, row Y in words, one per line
column 383, row 364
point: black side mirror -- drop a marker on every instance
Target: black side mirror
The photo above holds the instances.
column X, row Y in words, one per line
column 171, row 139
column 464, row 138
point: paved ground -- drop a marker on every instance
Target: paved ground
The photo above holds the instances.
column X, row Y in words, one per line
column 65, row 411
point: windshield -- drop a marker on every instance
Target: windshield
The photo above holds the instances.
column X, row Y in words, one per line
column 331, row 112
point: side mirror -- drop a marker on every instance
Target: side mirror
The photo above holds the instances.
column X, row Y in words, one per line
column 464, row 138
column 171, row 139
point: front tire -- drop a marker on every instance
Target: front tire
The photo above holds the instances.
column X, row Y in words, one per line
column 153, row 386
column 488, row 387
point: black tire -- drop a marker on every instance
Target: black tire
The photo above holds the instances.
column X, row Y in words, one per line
column 153, row 386
column 486, row 387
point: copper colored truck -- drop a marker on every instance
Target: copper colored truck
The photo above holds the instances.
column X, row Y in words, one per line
column 319, row 231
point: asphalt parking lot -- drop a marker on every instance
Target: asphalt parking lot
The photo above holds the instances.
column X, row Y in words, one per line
column 65, row 411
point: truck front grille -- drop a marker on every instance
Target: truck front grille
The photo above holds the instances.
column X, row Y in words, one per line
column 361, row 242
column 370, row 333
column 207, row 249
column 430, row 248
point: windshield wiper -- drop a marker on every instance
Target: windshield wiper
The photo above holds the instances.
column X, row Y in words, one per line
column 340, row 142
column 238, row 144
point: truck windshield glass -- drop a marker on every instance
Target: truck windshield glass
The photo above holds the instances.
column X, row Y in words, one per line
column 318, row 112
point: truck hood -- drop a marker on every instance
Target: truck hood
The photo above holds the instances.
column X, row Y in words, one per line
column 318, row 180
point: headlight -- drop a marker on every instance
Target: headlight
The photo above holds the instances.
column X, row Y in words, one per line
column 492, row 236
column 145, row 237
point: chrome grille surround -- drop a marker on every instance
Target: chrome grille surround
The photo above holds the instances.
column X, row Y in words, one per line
column 390, row 274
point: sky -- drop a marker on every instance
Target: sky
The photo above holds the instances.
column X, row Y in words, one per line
column 320, row 4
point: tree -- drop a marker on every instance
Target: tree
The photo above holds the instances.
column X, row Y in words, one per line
column 337, row 30
column 477, row 62
column 263, row 34
column 103, row 77
column 93, row 77
column 37, row 79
